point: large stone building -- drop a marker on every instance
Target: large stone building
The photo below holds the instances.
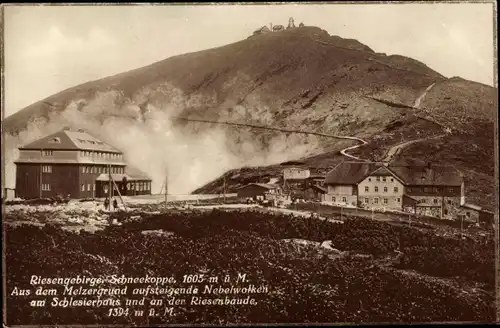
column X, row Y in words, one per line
column 75, row 164
column 425, row 190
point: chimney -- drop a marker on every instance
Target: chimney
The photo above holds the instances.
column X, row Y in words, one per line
column 81, row 130
column 67, row 128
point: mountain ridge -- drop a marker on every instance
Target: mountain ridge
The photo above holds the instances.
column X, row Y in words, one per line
column 301, row 79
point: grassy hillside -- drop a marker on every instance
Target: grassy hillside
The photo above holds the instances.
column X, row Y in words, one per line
column 301, row 79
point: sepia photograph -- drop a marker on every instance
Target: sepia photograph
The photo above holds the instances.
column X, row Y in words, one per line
column 200, row 164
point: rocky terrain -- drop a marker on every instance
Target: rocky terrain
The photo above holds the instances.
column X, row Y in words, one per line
column 300, row 79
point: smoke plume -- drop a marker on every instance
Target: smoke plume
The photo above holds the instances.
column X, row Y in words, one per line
column 190, row 155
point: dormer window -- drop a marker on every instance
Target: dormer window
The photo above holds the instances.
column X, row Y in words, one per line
column 56, row 140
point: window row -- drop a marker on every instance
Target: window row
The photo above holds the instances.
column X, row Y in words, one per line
column 367, row 189
column 432, row 189
column 433, row 201
column 383, row 179
column 47, row 153
column 45, row 186
column 100, row 154
column 103, row 169
column 47, row 168
column 385, row 201
column 88, row 187
column 139, row 186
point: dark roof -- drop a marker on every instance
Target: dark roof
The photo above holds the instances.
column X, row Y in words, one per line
column 262, row 185
column 350, row 173
column 71, row 140
column 316, row 176
column 428, row 175
column 472, row 207
column 292, row 163
column 135, row 173
column 318, row 188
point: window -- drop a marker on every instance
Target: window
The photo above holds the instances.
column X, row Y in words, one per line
column 423, row 201
column 369, row 179
column 344, row 199
column 435, row 200
column 451, row 189
column 392, row 180
column 367, row 188
column 88, row 187
column 468, row 214
column 385, row 201
column 385, row 189
column 375, row 200
column 378, row 178
column 367, row 200
column 445, row 212
column 48, row 153
column 47, row 169
column 333, row 199
column 383, row 179
column 376, row 189
column 399, row 200
column 83, row 187
column 93, row 186
column 55, row 140
column 449, row 201
column 46, row 187
column 409, row 189
column 427, row 189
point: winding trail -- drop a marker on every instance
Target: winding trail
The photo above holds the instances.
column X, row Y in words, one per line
column 343, row 151
column 417, row 102
column 395, row 150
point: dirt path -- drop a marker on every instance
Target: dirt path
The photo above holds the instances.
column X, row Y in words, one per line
column 395, row 150
column 343, row 151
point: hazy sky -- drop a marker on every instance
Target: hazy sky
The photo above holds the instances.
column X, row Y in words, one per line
column 51, row 48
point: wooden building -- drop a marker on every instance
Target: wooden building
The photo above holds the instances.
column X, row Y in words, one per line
column 70, row 164
column 315, row 193
column 429, row 190
column 257, row 190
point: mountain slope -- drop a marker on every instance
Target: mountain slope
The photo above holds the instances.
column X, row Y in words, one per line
column 302, row 79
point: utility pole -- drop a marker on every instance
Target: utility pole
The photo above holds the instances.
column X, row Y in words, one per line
column 110, row 189
column 224, row 189
column 40, row 182
column 462, row 227
column 166, row 189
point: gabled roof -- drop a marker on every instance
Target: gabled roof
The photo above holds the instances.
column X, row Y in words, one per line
column 318, row 188
column 262, row 29
column 70, row 140
column 262, row 185
column 428, row 175
column 472, row 207
column 132, row 174
column 350, row 173
column 136, row 173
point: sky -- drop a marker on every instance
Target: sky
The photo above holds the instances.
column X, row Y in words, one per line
column 49, row 48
